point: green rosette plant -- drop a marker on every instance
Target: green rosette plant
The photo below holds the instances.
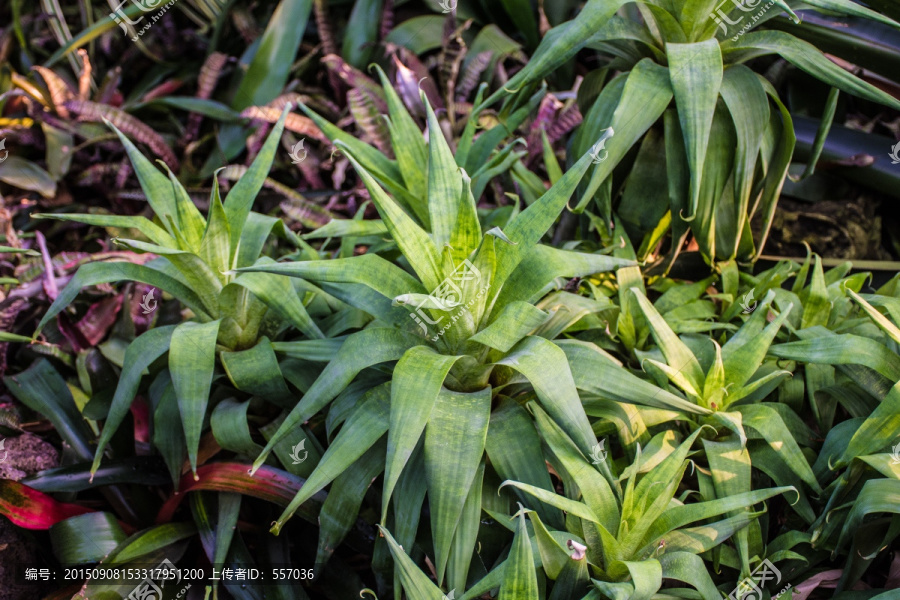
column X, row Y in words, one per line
column 231, row 316
column 623, row 536
column 469, row 344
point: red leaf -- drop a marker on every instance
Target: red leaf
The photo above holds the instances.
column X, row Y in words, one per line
column 99, row 318
column 140, row 411
column 268, row 483
column 31, row 509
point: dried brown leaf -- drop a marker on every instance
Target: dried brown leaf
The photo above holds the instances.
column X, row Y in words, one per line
column 60, row 92
column 127, row 124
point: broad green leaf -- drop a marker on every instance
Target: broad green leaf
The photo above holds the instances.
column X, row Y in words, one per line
column 150, row 540
column 85, row 538
column 742, row 357
column 578, row 509
column 415, row 244
column 339, row 228
column 240, row 199
column 341, row 507
column 167, row 438
column 877, row 431
column 514, row 322
column 279, row 295
column 689, row 568
column 466, row 536
column 416, row 384
column 192, row 360
column 645, row 93
column 24, row 174
column 466, row 233
column 406, row 139
column 816, row 305
column 514, row 449
column 362, row 32
column 519, row 576
column 596, row 491
column 360, row 350
column 844, row 349
column 154, row 233
column 454, row 445
column 42, row 389
column 97, row 272
column 559, row 45
column 140, row 354
column 157, row 187
column 696, row 74
column 544, row 364
column 193, row 269
column 678, row 355
column 444, row 182
column 230, row 428
column 189, row 223
column 268, row 71
column 415, row 582
column 876, row 496
column 807, row 58
column 646, row 575
column 214, row 246
column 748, row 104
column 371, row 270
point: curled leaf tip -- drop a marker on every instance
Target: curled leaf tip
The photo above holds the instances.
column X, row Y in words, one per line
column 684, row 218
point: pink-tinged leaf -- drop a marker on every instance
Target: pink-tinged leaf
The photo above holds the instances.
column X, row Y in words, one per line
column 72, row 334
column 825, row 579
column 268, row 483
column 893, row 580
column 31, row 509
column 140, row 412
column 546, row 115
column 99, row 318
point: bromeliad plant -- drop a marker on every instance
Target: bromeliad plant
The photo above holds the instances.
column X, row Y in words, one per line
column 468, row 341
column 228, row 313
column 686, row 99
column 622, row 537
